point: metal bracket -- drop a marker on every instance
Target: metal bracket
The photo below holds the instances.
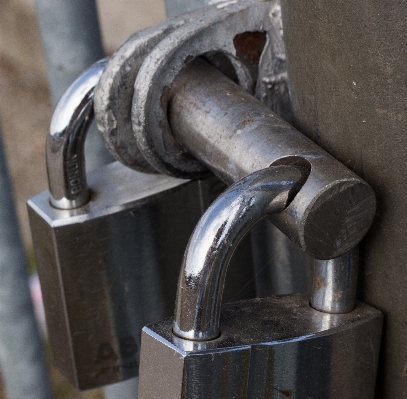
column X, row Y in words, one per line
column 243, row 39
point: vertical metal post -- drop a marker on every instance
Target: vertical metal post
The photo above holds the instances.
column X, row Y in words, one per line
column 72, row 42
column 347, row 69
column 21, row 354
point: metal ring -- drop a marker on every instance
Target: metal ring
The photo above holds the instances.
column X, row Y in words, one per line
column 114, row 93
column 216, row 30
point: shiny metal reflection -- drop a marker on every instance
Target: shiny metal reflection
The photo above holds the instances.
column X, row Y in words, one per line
column 334, row 283
column 214, row 240
column 65, row 141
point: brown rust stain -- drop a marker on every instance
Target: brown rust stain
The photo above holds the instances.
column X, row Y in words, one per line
column 338, row 295
column 247, row 121
column 319, row 283
column 249, row 46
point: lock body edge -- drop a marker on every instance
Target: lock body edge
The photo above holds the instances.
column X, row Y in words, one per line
column 269, row 347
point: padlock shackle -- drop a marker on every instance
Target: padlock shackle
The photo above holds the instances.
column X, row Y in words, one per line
column 335, row 282
column 219, row 231
column 66, row 139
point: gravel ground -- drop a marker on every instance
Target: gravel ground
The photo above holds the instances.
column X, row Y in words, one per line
column 25, row 106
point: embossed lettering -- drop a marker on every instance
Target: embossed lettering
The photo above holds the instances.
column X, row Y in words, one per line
column 73, row 175
column 128, row 346
column 105, row 352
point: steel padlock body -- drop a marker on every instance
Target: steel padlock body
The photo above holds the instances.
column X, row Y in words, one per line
column 276, row 347
column 109, row 266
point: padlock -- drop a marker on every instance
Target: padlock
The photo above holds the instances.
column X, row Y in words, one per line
column 277, row 347
column 108, row 257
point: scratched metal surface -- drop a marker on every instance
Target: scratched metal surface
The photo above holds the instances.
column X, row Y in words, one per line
column 347, row 69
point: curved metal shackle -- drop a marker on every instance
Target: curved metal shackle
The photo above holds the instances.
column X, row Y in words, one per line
column 216, row 236
column 66, row 138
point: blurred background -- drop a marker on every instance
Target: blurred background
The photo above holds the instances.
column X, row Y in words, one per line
column 25, row 102
column 26, row 108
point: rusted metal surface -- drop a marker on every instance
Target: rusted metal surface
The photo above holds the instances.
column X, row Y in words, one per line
column 250, row 45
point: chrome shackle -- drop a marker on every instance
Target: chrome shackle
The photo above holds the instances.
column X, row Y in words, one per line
column 219, row 231
column 66, row 138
